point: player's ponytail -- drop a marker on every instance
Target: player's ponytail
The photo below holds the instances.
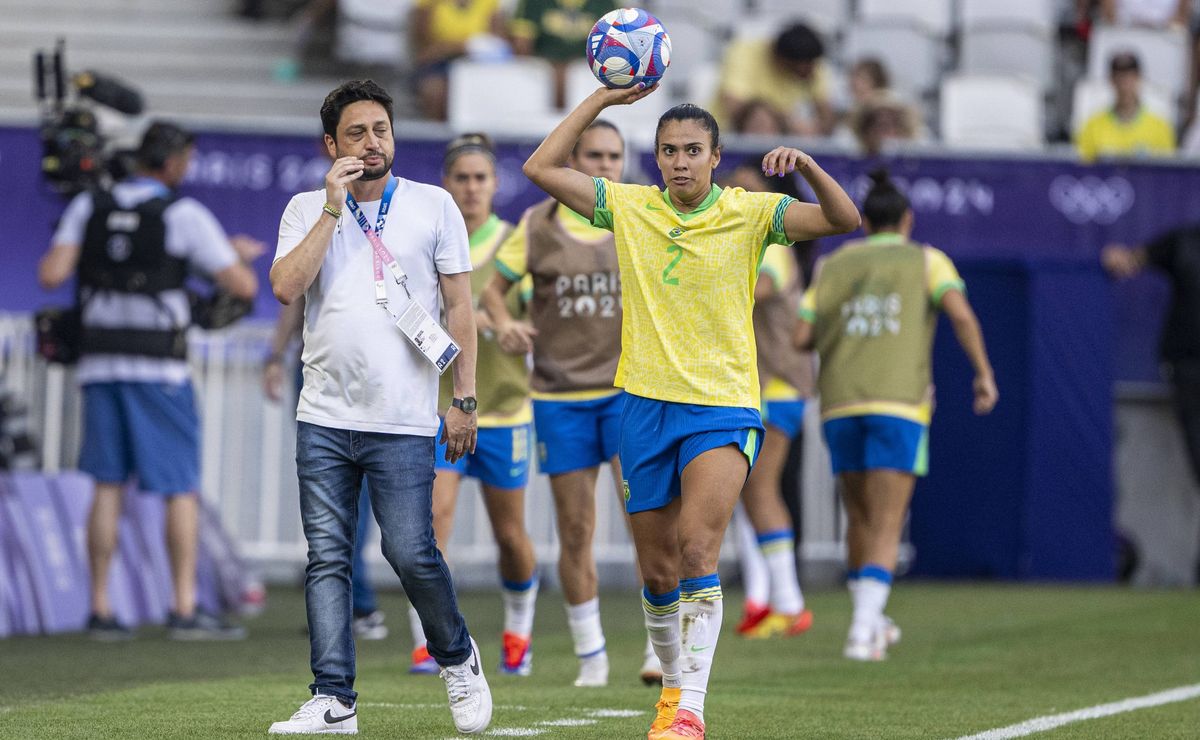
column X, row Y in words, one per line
column 885, row 206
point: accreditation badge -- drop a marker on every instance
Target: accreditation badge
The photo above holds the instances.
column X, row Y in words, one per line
column 428, row 336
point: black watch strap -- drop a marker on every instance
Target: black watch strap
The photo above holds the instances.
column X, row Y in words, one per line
column 467, row 405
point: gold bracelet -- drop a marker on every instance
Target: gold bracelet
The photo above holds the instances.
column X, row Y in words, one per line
column 336, row 213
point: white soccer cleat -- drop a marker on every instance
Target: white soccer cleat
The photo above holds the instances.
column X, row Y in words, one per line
column 891, row 631
column 870, row 650
column 320, row 715
column 593, row 671
column 470, row 697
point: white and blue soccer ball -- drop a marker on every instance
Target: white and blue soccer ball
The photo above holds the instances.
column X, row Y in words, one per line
column 628, row 46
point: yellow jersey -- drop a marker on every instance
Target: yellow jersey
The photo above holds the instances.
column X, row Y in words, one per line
column 1146, row 134
column 456, row 22
column 688, row 290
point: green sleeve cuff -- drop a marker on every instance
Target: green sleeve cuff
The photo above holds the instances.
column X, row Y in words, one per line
column 808, row 315
column 945, row 287
column 509, row 274
column 778, row 233
column 602, row 218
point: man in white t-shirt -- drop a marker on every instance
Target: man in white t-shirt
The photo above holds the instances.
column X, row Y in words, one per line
column 369, row 402
column 131, row 249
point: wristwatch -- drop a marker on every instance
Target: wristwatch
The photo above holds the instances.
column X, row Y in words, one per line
column 466, row 405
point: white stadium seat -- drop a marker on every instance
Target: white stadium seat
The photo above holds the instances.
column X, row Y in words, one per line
column 1092, row 96
column 1024, row 52
column 913, row 56
column 1039, row 15
column 1164, row 54
column 987, row 112
column 514, row 97
column 935, row 16
column 827, row 17
column 372, row 31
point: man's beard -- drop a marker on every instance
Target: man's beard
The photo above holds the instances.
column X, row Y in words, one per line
column 374, row 173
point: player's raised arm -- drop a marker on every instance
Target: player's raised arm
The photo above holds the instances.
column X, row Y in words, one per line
column 547, row 167
column 834, row 213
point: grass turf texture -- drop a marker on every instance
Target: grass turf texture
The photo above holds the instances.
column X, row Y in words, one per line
column 974, row 657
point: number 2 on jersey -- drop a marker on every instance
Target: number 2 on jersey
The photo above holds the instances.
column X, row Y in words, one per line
column 678, row 250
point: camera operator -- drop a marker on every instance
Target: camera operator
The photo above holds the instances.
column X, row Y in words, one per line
column 132, row 249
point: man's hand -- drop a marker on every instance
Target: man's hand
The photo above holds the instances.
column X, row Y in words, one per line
column 458, row 433
column 516, row 337
column 273, row 379
column 343, row 171
column 986, row 394
column 247, row 247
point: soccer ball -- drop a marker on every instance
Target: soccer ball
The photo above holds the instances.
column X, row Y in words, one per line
column 628, row 46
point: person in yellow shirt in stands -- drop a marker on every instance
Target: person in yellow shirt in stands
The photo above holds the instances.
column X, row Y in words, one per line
column 1128, row 128
column 440, row 30
column 787, row 73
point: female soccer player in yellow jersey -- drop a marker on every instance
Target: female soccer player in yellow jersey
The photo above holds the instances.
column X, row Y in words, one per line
column 501, row 458
column 691, row 426
column 871, row 312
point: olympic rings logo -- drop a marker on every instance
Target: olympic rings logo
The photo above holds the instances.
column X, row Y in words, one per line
column 1090, row 199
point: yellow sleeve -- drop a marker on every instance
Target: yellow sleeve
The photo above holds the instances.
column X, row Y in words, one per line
column 511, row 259
column 941, row 275
column 1164, row 138
column 820, row 83
column 779, row 265
column 808, row 305
column 609, row 196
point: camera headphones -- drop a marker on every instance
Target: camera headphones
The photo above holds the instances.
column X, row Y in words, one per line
column 160, row 141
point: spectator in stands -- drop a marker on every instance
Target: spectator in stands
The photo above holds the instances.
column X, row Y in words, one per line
column 441, row 31
column 131, row 249
column 868, row 78
column 788, row 72
column 881, row 120
column 556, row 30
column 1128, row 128
column 760, row 118
column 1175, row 253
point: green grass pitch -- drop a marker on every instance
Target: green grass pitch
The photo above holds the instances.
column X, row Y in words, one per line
column 974, row 657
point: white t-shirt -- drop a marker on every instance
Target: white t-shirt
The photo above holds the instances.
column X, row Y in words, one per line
column 194, row 234
column 1153, row 13
column 360, row 372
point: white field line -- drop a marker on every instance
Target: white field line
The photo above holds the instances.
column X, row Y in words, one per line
column 1051, row 721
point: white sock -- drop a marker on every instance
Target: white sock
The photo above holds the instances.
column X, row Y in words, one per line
column 779, row 551
column 586, row 633
column 870, row 597
column 700, row 613
column 755, row 576
column 662, row 625
column 414, row 625
column 519, row 602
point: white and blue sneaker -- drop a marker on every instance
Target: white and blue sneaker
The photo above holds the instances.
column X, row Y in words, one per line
column 320, row 715
column 470, row 697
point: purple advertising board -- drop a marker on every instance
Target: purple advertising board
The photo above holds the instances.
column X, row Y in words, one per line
column 1040, row 209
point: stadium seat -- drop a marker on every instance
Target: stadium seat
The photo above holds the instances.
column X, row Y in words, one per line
column 827, row 17
column 934, row 16
column 913, row 56
column 996, row 50
column 1163, row 54
column 1036, row 15
column 692, row 42
column 514, row 97
column 373, row 31
column 1092, row 96
column 989, row 112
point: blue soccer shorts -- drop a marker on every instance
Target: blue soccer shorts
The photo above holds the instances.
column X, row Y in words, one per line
column 575, row 435
column 501, row 457
column 145, row 430
column 659, row 439
column 877, row 442
column 786, row 416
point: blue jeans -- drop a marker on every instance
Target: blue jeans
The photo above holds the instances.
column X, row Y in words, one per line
column 360, row 581
column 399, row 469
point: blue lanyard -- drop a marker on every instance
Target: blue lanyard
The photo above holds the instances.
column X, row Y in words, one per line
column 380, row 253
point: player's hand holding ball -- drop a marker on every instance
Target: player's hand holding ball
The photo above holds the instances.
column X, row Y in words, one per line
column 628, row 50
